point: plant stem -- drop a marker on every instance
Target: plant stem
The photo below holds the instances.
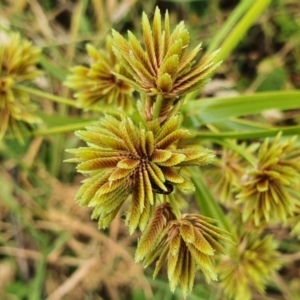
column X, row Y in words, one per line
column 206, row 201
column 61, row 100
column 241, row 151
column 233, row 146
column 62, row 129
column 42, row 94
column 230, row 23
column 241, row 28
column 246, row 135
column 174, row 206
column 157, row 107
column 233, row 32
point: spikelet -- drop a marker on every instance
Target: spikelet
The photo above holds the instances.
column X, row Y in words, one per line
column 18, row 59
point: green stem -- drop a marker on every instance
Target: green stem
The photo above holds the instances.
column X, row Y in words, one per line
column 157, row 107
column 206, row 201
column 230, row 23
column 42, row 94
column 232, row 33
column 241, row 28
column 62, row 129
column 174, row 207
column 61, row 100
column 292, row 130
column 56, row 130
column 233, row 146
column 241, row 151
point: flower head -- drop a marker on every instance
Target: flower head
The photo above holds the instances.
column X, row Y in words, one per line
column 18, row 61
column 96, row 83
column 164, row 66
column 186, row 244
column 267, row 189
column 249, row 266
column 122, row 159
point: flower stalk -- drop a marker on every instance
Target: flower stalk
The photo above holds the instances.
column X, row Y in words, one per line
column 18, row 59
column 62, row 100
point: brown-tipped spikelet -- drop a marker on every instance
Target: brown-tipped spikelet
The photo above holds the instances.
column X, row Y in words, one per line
column 18, row 61
column 164, row 66
column 249, row 266
column 122, row 159
column 266, row 192
column 186, row 244
column 97, row 84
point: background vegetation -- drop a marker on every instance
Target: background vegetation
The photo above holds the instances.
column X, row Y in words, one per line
column 49, row 247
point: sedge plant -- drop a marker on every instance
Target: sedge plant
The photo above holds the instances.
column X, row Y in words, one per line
column 140, row 158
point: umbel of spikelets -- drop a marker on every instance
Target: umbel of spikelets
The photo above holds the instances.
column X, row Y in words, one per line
column 267, row 190
column 122, row 159
column 18, row 59
column 162, row 66
column 97, row 84
column 186, row 244
column 249, row 265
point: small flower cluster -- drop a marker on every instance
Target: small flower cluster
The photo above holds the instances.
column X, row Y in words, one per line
column 267, row 191
column 164, row 67
column 18, row 59
column 266, row 194
column 187, row 244
column 250, row 265
column 97, row 83
column 126, row 161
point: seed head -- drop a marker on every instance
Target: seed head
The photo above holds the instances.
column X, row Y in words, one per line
column 163, row 66
column 18, row 59
column 97, row 84
column 267, row 190
column 249, row 266
column 186, row 244
column 122, row 160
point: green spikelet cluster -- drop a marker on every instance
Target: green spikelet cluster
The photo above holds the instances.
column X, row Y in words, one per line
column 187, row 244
column 249, row 266
column 18, row 59
column 266, row 193
column 122, row 159
column 97, row 84
column 163, row 66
